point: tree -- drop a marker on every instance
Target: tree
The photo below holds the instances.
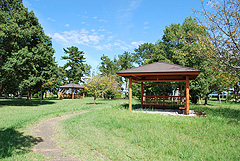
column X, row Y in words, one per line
column 26, row 53
column 107, row 67
column 183, row 48
column 178, row 46
column 222, row 21
column 125, row 61
column 75, row 67
column 54, row 82
column 99, row 85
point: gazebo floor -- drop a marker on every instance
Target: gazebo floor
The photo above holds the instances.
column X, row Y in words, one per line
column 180, row 108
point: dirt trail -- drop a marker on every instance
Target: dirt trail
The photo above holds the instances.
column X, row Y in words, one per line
column 48, row 146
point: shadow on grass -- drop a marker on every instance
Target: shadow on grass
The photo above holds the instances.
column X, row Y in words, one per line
column 19, row 102
column 97, row 103
column 14, row 142
column 126, row 106
column 219, row 111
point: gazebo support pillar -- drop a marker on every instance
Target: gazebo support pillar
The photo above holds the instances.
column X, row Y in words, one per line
column 141, row 94
column 60, row 94
column 130, row 94
column 72, row 93
column 187, row 95
column 83, row 93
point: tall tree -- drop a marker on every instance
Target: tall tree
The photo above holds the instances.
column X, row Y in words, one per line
column 75, row 67
column 107, row 67
column 125, row 61
column 222, row 21
column 178, row 46
column 26, row 53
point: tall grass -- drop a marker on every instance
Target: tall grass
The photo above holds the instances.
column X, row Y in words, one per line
column 17, row 115
column 109, row 130
column 122, row 135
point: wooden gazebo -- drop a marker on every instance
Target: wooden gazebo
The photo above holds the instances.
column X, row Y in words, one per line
column 161, row 73
column 72, row 88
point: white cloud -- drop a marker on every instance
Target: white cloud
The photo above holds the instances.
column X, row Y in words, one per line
column 67, row 25
column 104, row 47
column 83, row 31
column 101, row 30
column 60, row 38
column 102, row 20
column 145, row 23
column 82, row 36
column 135, row 44
column 125, row 15
column 146, row 27
column 95, row 17
column 51, row 19
column 110, row 38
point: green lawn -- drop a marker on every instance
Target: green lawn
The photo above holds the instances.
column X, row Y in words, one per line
column 109, row 130
column 117, row 134
column 16, row 116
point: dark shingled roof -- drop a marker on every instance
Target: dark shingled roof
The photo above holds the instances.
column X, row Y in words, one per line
column 72, row 85
column 159, row 67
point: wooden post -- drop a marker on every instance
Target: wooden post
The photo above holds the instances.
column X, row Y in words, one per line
column 72, row 93
column 141, row 94
column 163, row 100
column 83, row 93
column 187, row 95
column 60, row 94
column 130, row 94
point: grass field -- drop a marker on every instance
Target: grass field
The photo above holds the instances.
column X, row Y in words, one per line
column 109, row 131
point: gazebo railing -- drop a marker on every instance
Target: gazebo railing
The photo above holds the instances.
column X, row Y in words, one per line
column 69, row 96
column 164, row 101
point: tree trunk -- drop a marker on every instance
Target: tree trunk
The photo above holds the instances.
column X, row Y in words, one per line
column 6, row 95
column 46, row 94
column 95, row 100
column 28, row 96
column 219, row 98
column 19, row 93
column 206, row 99
column 199, row 99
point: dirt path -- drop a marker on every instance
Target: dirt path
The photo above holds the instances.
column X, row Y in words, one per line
column 48, row 146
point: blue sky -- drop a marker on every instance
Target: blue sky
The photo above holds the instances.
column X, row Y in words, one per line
column 107, row 27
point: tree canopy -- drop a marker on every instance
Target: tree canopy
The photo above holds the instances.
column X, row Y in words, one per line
column 222, row 21
column 98, row 85
column 26, row 53
column 75, row 67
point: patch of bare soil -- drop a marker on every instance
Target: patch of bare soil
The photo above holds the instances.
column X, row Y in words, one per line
column 47, row 145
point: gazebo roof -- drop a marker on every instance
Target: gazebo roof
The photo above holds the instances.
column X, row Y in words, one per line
column 159, row 67
column 72, row 85
column 160, row 71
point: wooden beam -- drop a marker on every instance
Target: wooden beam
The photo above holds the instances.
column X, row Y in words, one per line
column 162, row 77
column 187, row 95
column 164, row 83
column 130, row 94
column 159, row 81
column 142, row 95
